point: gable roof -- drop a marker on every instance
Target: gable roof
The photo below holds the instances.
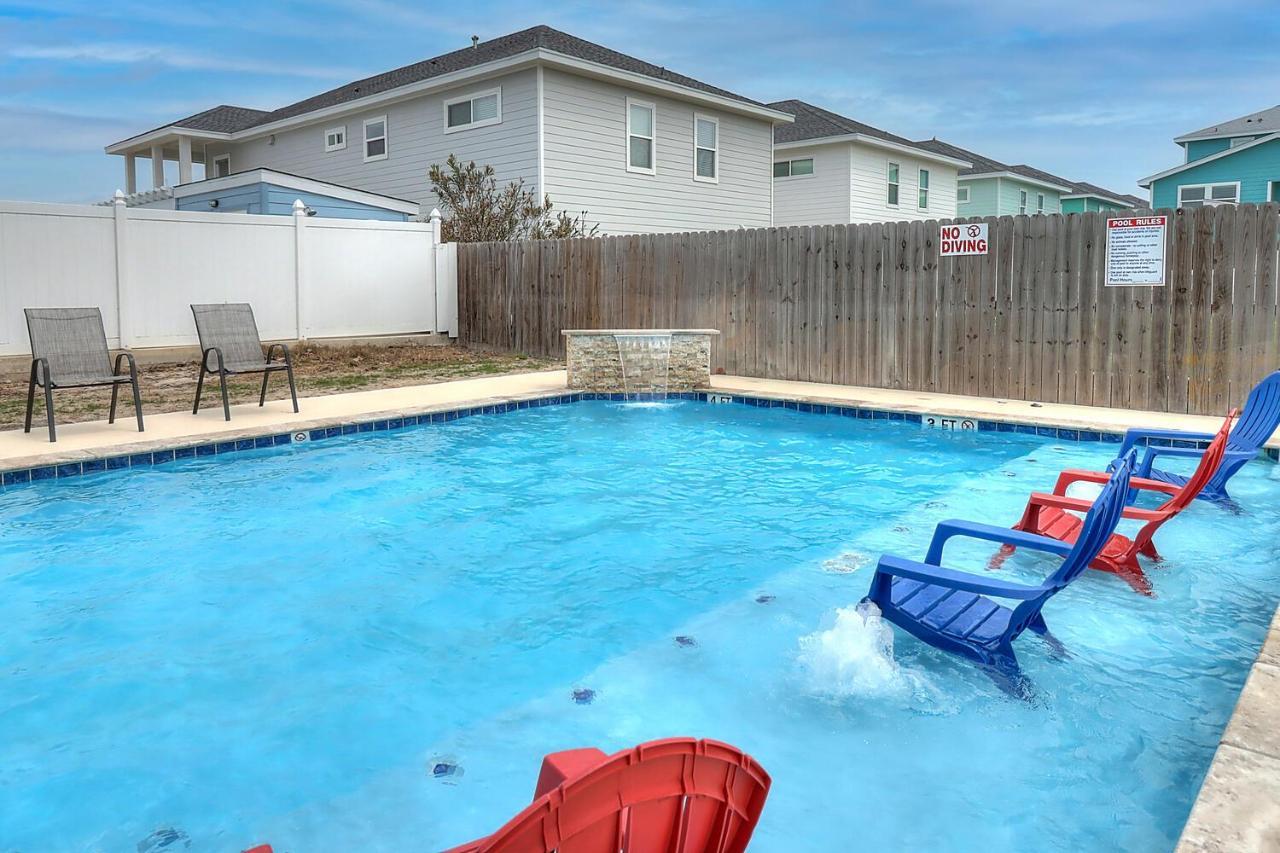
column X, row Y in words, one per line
column 1192, row 164
column 230, row 119
column 1267, row 121
column 984, row 166
column 1083, row 188
column 814, row 124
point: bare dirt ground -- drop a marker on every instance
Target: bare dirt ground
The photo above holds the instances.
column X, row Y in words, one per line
column 318, row 370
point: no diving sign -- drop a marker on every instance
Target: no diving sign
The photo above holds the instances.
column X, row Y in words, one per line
column 963, row 239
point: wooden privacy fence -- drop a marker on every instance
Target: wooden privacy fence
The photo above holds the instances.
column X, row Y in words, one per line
column 875, row 305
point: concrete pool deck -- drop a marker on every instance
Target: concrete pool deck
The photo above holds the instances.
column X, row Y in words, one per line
column 1238, row 808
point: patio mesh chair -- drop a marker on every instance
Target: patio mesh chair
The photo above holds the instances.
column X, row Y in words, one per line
column 69, row 350
column 229, row 336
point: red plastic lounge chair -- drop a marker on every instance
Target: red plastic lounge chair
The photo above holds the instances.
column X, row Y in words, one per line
column 1047, row 514
column 678, row 795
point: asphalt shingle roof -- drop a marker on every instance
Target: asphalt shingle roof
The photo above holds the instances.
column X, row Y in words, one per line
column 985, row 165
column 815, row 123
column 1266, row 121
column 229, row 119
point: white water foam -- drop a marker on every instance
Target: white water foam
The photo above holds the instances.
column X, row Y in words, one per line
column 846, row 563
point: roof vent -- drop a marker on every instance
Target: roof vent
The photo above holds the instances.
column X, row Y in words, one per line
column 475, row 41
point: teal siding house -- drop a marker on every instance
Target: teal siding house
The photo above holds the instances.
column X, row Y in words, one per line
column 1235, row 162
column 992, row 188
column 266, row 191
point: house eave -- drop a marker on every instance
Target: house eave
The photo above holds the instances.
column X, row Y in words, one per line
column 299, row 183
column 1146, row 182
column 1105, row 198
column 168, row 132
column 875, row 142
column 1014, row 176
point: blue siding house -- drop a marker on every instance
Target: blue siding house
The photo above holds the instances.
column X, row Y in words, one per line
column 1235, row 162
column 273, row 193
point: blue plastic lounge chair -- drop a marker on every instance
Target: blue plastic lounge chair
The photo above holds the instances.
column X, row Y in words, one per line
column 1257, row 422
column 955, row 610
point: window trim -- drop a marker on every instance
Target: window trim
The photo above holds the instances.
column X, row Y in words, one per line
column 472, row 96
column 1039, row 202
column 897, row 185
column 340, row 146
column 224, row 158
column 1208, row 188
column 965, row 198
column 702, row 179
column 789, row 176
column 653, row 138
column 1273, row 191
column 1024, row 201
column 386, row 133
column 922, row 188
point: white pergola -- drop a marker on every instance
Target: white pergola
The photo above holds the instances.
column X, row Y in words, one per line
column 184, row 145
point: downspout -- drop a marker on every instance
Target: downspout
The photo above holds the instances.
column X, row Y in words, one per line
column 542, row 186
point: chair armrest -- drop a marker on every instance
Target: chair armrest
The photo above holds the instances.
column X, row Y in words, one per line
column 271, row 350
column 989, row 532
column 1084, row 505
column 204, row 358
column 1066, row 478
column 125, row 356
column 39, row 368
column 983, row 584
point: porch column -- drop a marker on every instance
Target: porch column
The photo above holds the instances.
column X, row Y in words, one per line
column 184, row 159
column 157, row 167
column 130, row 174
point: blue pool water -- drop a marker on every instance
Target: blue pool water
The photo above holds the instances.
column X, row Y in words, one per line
column 369, row 642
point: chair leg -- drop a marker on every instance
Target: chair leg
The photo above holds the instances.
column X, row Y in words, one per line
column 226, row 404
column 293, row 389
column 137, row 399
column 115, row 395
column 48, row 405
column 195, row 410
column 31, row 398
column 262, row 398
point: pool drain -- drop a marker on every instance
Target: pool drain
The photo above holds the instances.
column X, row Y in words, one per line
column 444, row 768
column 583, row 695
column 686, row 641
column 765, row 599
column 164, row 838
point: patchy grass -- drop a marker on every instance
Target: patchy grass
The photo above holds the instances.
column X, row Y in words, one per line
column 319, row 370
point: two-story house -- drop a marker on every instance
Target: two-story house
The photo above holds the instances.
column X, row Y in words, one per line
column 1232, row 162
column 828, row 168
column 637, row 147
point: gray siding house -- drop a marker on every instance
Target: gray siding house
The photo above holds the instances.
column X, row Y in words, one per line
column 636, row 147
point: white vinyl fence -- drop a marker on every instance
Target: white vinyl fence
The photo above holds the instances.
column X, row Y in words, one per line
column 305, row 277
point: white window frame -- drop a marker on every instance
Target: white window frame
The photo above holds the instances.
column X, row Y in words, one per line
column 1237, row 141
column 328, row 146
column 221, row 158
column 922, row 188
column 386, row 142
column 1023, row 202
column 1039, row 202
column 789, row 176
column 653, row 138
column 702, row 179
column 1274, row 191
column 472, row 96
column 1208, row 200
column 897, row 185
column 962, row 195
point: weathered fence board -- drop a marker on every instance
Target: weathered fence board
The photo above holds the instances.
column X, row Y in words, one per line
column 875, row 305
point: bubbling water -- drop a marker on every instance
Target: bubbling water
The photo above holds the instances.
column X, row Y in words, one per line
column 854, row 657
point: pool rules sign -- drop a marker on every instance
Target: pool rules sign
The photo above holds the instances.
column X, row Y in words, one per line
column 963, row 239
column 1135, row 250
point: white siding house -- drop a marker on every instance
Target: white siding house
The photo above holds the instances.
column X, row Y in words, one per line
column 602, row 133
column 830, row 169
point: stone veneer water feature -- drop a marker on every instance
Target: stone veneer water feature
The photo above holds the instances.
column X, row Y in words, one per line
column 639, row 360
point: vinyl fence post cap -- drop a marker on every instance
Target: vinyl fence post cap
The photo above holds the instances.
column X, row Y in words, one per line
column 299, row 209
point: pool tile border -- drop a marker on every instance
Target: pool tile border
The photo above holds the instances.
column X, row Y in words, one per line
column 91, row 463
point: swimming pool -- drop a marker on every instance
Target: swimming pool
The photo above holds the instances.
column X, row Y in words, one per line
column 369, row 642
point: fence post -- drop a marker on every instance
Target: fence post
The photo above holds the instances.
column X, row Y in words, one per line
column 446, row 280
column 299, row 287
column 120, row 211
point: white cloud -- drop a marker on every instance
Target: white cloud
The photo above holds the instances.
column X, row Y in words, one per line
column 109, row 53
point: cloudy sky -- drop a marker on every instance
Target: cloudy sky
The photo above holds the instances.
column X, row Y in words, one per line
column 1088, row 90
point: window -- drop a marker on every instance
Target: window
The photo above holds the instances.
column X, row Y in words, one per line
column 962, row 195
column 706, row 149
column 1237, row 141
column 375, row 138
column 1022, row 201
column 222, row 165
column 478, row 109
column 1200, row 195
column 923, row 202
column 793, row 168
column 1039, row 202
column 893, row 184
column 335, row 138
column 1275, row 191
column 640, row 132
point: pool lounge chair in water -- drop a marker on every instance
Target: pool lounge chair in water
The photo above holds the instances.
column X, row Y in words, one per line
column 678, row 795
column 1258, row 420
column 1048, row 515
column 229, row 344
column 955, row 611
column 69, row 350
